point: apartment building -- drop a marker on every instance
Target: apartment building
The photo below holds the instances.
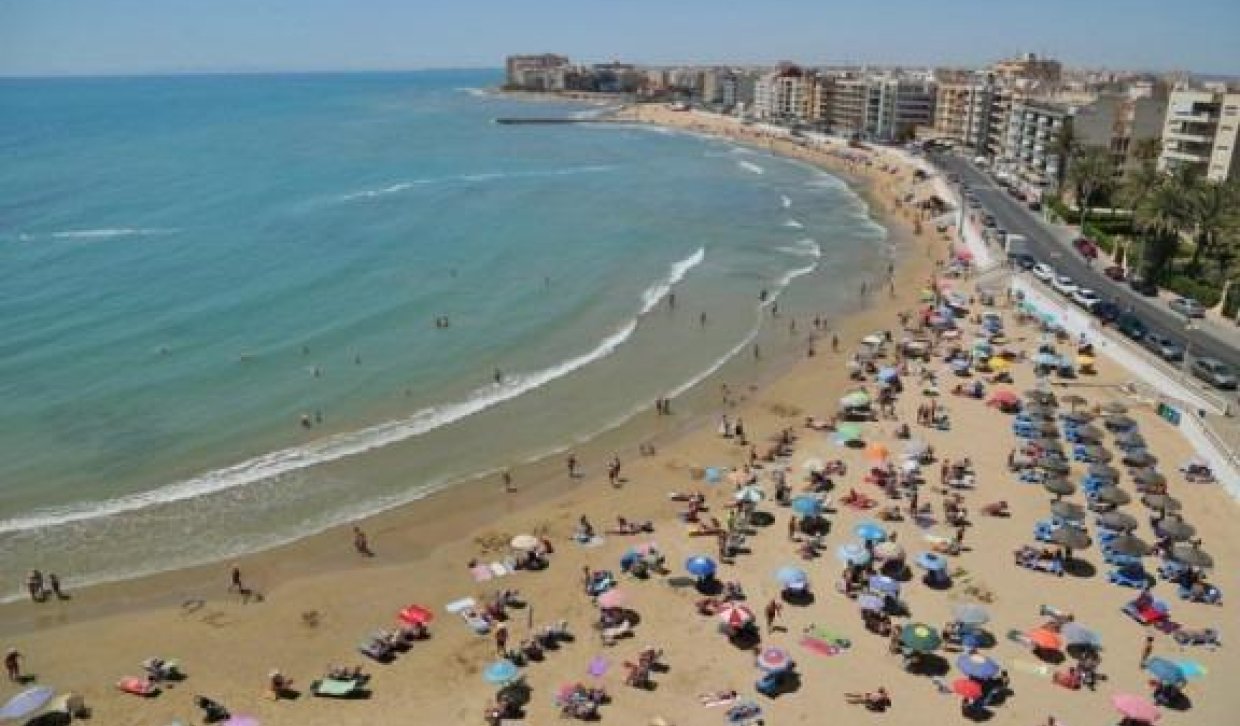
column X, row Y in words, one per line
column 962, row 108
column 1119, row 123
column 784, row 94
column 1029, row 144
column 1200, row 131
column 879, row 107
column 542, row 72
column 1029, row 67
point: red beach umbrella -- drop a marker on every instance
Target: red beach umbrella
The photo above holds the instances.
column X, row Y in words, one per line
column 1045, row 639
column 735, row 616
column 967, row 688
column 415, row 615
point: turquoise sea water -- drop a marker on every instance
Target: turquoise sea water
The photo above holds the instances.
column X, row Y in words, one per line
column 190, row 265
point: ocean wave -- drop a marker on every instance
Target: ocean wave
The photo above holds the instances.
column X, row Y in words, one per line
column 750, row 166
column 111, row 232
column 331, row 448
column 794, row 224
column 803, row 248
column 793, row 274
column 475, row 92
column 656, row 292
column 474, row 178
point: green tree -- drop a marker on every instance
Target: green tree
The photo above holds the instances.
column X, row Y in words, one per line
column 1162, row 216
column 1064, row 146
column 1212, row 215
column 1090, row 173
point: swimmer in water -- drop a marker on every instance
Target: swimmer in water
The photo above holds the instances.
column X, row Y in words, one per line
column 499, row 376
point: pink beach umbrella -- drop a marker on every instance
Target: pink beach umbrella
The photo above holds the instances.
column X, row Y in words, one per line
column 612, row 599
column 735, row 616
column 241, row 721
column 773, row 659
column 1135, row 707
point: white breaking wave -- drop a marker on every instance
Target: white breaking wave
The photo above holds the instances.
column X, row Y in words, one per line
column 473, row 178
column 791, row 275
column 750, row 166
column 656, row 292
column 803, row 248
column 108, row 233
column 794, row 224
column 784, row 200
column 475, row 92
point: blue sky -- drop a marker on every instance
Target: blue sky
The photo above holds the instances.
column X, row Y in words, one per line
column 151, row 36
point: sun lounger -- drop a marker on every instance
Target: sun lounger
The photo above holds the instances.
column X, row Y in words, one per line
column 744, row 714
column 1200, row 636
column 375, row 650
column 336, row 687
column 475, row 621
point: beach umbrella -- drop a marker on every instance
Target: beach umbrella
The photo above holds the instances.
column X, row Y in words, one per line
column 27, row 702
column 884, row 585
column 415, row 615
column 847, row 433
column 613, row 598
column 1075, row 634
column 1149, row 478
column 853, row 554
column 1059, row 486
column 920, row 637
column 931, row 562
column 1004, row 397
column 1053, row 464
column 876, row 451
column 1045, row 639
column 870, row 532
column 1098, row 453
column 1139, row 457
column 700, row 566
column 970, row 613
column 999, row 364
column 525, row 542
column 735, row 615
column 1047, row 428
column 873, row 339
column 1191, row 555
column 856, row 399
column 807, row 506
column 1102, row 471
column 790, row 576
column 1165, row 671
column 1114, row 408
column 714, row 474
column 967, row 688
column 750, row 494
column 499, row 673
column 915, row 448
column 813, row 465
column 1129, row 546
column 888, row 550
column 1078, row 417
column 1069, row 511
column 1070, row 537
column 1161, row 502
column 977, row 666
column 1135, row 707
column 1176, row 530
column 1112, row 495
column 1090, row 432
column 1119, row 423
column 1191, row 669
column 888, row 374
column 1074, row 400
column 1046, row 359
column 1117, row 521
column 774, row 660
column 870, row 601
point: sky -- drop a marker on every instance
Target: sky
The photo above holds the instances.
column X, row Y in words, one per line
column 89, row 37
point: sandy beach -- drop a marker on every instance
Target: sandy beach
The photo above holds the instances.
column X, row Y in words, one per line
column 320, row 598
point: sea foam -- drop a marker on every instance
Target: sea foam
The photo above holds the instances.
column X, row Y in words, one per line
column 750, row 166
column 656, row 292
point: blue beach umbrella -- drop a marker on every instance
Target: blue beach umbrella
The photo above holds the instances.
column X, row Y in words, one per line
column 713, row 475
column 807, row 506
column 27, row 702
column 870, row 532
column 971, row 614
column 931, row 561
column 888, row 374
column 1165, row 671
column 790, row 576
column 853, row 554
column 977, row 666
column 1077, row 634
column 1046, row 359
column 885, row 585
column 700, row 566
column 1191, row 669
column 869, row 601
column 500, row 672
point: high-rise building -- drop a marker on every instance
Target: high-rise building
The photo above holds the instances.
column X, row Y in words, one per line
column 879, row 107
column 544, row 72
column 1031, row 142
column 962, row 108
column 1201, row 131
column 784, row 94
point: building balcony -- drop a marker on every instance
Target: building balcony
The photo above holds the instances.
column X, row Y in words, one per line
column 1200, row 118
column 1188, row 137
column 1186, row 156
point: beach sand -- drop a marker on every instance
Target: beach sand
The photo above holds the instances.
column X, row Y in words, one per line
column 320, row 599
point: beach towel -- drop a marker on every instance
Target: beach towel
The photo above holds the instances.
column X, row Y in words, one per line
column 458, row 606
column 821, row 647
column 830, row 636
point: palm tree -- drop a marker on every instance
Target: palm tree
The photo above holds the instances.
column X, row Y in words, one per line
column 1090, row 173
column 1163, row 215
column 1065, row 147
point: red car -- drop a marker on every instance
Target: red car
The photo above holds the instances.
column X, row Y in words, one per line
column 1086, row 247
column 1115, row 272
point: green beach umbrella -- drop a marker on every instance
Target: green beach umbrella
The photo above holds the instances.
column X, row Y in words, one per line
column 856, row 399
column 920, row 637
column 847, row 433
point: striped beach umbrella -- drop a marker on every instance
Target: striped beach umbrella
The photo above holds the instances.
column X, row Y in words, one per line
column 774, row 660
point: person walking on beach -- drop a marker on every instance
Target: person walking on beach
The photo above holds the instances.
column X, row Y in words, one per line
column 361, row 544
column 13, row 665
column 53, row 586
column 835, row 343
column 792, row 528
column 501, row 639
column 236, row 585
column 509, row 487
column 773, row 610
column 34, row 585
column 613, row 471
column 1146, row 650
column 573, row 473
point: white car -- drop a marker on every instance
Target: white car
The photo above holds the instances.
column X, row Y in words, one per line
column 1086, row 298
column 1044, row 272
column 1064, row 285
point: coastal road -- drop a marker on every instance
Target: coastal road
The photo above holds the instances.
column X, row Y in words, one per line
column 1056, row 250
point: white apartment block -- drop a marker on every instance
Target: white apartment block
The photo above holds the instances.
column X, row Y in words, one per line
column 962, row 110
column 877, row 107
column 1030, row 142
column 1200, row 131
column 784, row 94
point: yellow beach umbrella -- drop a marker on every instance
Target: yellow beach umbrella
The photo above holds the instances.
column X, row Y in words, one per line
column 999, row 363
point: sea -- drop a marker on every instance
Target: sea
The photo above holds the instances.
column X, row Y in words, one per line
column 214, row 287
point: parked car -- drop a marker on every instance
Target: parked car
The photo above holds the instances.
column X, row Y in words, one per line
column 1085, row 297
column 1034, row 205
column 1023, row 261
column 1044, row 272
column 1187, row 307
column 1115, row 272
column 1215, row 372
column 989, row 221
column 1163, row 347
column 1086, row 247
column 1140, row 284
column 1107, row 311
column 1132, row 326
column 1064, row 284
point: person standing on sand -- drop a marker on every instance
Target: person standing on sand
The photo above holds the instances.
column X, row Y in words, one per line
column 360, row 543
column 835, row 343
column 34, row 585
column 236, row 585
column 13, row 665
column 572, row 466
column 773, row 610
column 53, row 586
column 509, row 487
column 792, row 528
column 1147, row 649
column 501, row 639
